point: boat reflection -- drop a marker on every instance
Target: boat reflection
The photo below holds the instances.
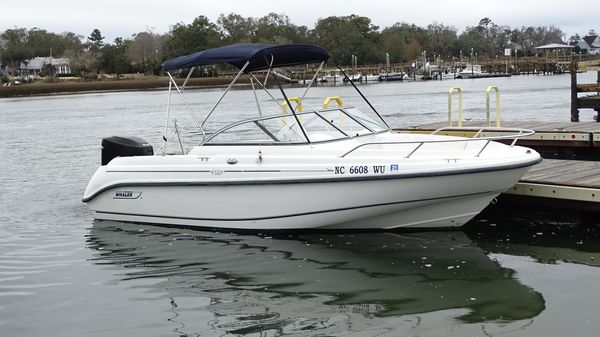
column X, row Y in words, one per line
column 373, row 274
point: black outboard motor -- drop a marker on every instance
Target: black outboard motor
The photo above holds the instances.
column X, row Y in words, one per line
column 116, row 146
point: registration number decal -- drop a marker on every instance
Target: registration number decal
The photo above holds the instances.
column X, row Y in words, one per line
column 360, row 169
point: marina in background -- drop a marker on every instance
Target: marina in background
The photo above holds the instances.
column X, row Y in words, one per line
column 421, row 69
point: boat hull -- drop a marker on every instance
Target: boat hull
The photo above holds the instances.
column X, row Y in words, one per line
column 416, row 202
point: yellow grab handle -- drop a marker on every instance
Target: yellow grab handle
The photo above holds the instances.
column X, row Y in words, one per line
column 328, row 100
column 292, row 99
column 459, row 118
column 487, row 104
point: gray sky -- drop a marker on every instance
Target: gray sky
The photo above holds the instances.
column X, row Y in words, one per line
column 123, row 18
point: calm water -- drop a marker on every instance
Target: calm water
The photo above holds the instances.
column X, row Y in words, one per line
column 62, row 274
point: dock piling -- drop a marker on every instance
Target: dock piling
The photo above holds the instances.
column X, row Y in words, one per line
column 574, row 106
column 590, row 101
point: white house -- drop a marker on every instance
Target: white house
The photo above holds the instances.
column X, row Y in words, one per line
column 591, row 43
column 35, row 65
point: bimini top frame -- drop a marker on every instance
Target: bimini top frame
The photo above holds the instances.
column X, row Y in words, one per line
column 247, row 58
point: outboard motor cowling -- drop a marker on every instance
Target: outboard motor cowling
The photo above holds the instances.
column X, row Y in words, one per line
column 116, row 146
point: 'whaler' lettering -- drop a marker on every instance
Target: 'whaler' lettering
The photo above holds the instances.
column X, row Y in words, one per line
column 127, row 195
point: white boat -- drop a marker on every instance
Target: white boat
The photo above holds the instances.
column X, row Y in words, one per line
column 470, row 71
column 372, row 78
column 328, row 167
column 446, row 74
column 332, row 77
column 356, row 78
column 393, row 76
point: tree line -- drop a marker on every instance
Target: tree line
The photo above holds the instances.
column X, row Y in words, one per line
column 342, row 36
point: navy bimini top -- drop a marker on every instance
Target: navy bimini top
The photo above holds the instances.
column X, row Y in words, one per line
column 259, row 56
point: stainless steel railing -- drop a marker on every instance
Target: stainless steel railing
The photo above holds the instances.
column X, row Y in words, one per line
column 518, row 133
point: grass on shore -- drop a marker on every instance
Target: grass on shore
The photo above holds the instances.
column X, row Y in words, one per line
column 105, row 85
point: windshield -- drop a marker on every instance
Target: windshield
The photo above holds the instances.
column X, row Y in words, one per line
column 321, row 125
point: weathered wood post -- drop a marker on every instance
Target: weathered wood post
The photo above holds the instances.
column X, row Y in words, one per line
column 574, row 103
column 598, row 92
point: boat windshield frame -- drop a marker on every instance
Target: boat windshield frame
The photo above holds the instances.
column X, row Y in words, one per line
column 367, row 126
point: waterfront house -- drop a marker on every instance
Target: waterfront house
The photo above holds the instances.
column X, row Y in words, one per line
column 517, row 48
column 35, row 65
column 590, row 43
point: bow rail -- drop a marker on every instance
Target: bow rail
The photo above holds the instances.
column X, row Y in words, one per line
column 518, row 133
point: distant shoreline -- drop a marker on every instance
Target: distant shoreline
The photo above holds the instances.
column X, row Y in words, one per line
column 77, row 87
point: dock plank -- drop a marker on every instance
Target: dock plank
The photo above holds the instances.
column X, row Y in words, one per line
column 560, row 184
column 574, row 173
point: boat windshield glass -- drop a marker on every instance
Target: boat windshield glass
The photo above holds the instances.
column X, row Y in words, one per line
column 320, row 125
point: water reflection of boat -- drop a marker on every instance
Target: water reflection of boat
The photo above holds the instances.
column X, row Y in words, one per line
column 317, row 276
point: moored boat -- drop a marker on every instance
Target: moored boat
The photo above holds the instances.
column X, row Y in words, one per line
column 393, row 76
column 327, row 167
column 470, row 71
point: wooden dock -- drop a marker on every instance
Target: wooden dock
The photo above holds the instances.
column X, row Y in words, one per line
column 569, row 176
column 560, row 183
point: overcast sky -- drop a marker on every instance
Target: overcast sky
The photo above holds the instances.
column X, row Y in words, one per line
column 123, row 18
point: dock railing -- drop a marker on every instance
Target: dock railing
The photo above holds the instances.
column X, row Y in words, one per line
column 458, row 90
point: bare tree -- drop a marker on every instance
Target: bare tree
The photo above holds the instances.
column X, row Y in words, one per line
column 146, row 51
